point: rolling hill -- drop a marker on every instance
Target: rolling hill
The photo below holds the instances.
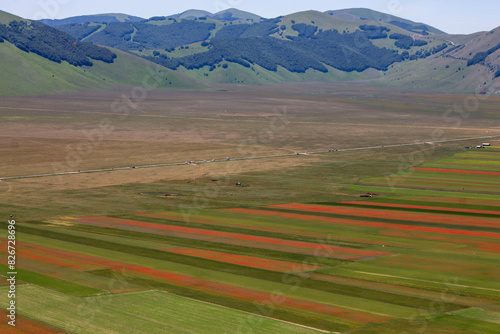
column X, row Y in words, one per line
column 237, row 47
column 470, row 66
column 227, row 15
column 6, row 18
column 234, row 14
column 100, row 18
column 298, row 42
column 364, row 14
column 192, row 14
column 38, row 59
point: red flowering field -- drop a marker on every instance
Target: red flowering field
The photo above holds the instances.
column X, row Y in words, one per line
column 338, row 252
column 398, row 215
column 25, row 325
column 368, row 223
column 248, row 261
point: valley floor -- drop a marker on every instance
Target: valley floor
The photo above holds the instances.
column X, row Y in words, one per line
column 283, row 243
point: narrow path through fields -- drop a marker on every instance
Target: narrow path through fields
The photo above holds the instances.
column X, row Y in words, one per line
column 243, row 158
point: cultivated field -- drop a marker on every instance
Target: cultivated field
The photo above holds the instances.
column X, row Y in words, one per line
column 279, row 244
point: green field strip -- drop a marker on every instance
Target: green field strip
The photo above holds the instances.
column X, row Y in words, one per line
column 76, row 276
column 477, row 326
column 422, row 174
column 443, row 201
column 449, row 185
column 418, row 325
column 479, row 285
column 451, row 256
column 255, row 232
column 425, row 264
column 293, row 225
column 53, row 283
column 270, row 276
column 459, row 167
column 494, row 155
column 146, row 312
column 444, row 266
column 439, row 186
column 354, row 303
column 382, row 267
column 304, row 317
column 477, row 313
column 443, row 287
column 430, row 296
column 479, row 180
column 81, row 230
column 390, row 220
column 471, row 162
column 388, row 191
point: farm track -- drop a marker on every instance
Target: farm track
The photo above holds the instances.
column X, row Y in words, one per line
column 240, row 159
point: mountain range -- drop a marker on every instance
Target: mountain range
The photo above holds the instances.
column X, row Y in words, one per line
column 197, row 48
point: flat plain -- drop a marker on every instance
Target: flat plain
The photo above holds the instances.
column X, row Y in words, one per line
column 267, row 224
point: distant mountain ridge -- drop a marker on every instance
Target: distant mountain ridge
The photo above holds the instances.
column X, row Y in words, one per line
column 196, row 48
column 100, row 18
column 231, row 14
column 357, row 14
column 39, row 59
column 297, row 42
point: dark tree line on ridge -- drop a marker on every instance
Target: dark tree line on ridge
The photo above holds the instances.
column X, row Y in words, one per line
column 53, row 44
column 481, row 56
column 406, row 42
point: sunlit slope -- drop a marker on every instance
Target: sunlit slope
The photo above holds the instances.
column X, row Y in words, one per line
column 27, row 73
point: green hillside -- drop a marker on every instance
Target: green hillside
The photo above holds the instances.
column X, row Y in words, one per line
column 5, row 18
column 39, row 59
column 297, row 42
column 192, row 13
column 228, row 47
column 27, row 74
column 234, row 14
column 360, row 14
column 471, row 65
column 227, row 15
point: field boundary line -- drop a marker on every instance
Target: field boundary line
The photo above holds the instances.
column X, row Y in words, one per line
column 250, row 313
column 422, row 280
column 193, row 299
column 130, row 293
column 240, row 159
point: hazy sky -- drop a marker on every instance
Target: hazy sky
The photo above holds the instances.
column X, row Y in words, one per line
column 452, row 16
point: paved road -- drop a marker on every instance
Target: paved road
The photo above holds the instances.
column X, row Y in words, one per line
column 240, row 159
